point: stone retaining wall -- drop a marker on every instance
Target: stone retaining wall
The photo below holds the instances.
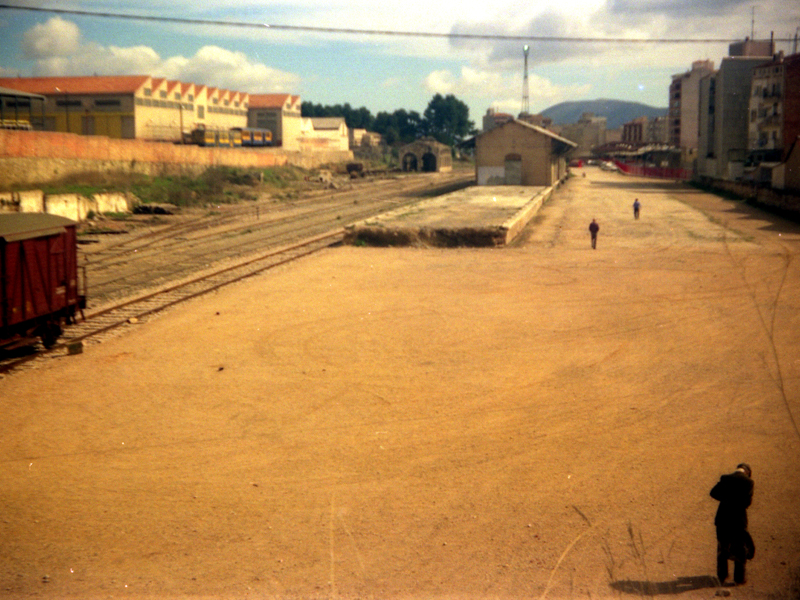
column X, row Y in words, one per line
column 780, row 200
column 71, row 206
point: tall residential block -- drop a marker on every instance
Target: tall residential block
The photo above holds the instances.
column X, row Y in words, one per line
column 684, row 95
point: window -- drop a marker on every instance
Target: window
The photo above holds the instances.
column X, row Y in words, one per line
column 108, row 102
column 201, row 113
column 162, row 94
column 148, row 92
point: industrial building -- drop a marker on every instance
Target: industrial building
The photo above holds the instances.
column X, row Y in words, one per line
column 132, row 106
column 21, row 110
column 280, row 113
column 518, row 153
column 324, row 133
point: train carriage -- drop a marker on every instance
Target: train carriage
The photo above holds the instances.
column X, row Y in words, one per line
column 235, row 137
column 254, row 137
column 39, row 288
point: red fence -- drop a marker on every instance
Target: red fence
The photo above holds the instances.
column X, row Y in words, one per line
column 660, row 172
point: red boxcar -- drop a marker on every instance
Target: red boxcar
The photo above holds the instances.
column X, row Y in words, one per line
column 39, row 289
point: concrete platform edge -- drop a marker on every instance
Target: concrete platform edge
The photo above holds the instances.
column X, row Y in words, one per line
column 477, row 235
column 517, row 223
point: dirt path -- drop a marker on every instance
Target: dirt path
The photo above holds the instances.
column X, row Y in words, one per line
column 541, row 421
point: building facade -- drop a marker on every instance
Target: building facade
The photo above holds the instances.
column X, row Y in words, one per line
column 683, row 116
column 280, row 113
column 492, row 119
column 517, row 153
column 426, row 155
column 589, row 132
column 324, row 133
column 725, row 106
column 133, row 107
column 774, row 104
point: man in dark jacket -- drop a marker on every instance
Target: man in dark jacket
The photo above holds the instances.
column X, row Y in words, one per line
column 593, row 229
column 735, row 493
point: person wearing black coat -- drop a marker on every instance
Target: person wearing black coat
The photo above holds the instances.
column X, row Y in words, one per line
column 734, row 493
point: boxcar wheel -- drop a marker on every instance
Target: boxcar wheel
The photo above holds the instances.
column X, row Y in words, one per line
column 50, row 334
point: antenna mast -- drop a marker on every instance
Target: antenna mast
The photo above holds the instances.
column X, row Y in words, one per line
column 525, row 100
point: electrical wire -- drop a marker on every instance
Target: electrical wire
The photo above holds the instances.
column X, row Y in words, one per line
column 377, row 32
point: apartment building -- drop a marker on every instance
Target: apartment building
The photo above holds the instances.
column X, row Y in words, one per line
column 589, row 132
column 683, row 115
column 724, row 104
column 774, row 122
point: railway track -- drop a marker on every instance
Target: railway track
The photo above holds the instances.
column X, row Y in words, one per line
column 139, row 262
column 158, row 269
column 102, row 323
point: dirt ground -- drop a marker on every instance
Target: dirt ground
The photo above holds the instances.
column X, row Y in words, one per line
column 539, row 421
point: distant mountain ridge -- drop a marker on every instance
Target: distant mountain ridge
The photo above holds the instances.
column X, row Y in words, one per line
column 616, row 112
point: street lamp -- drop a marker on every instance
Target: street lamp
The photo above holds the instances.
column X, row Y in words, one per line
column 66, row 108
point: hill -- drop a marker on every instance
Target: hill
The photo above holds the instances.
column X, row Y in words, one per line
column 617, row 112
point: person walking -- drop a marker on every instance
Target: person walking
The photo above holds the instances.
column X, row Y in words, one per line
column 734, row 493
column 636, row 206
column 593, row 229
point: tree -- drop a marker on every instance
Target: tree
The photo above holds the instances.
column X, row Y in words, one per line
column 400, row 126
column 447, row 119
column 354, row 118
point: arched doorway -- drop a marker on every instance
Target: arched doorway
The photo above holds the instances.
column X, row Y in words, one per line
column 429, row 162
column 513, row 169
column 410, row 162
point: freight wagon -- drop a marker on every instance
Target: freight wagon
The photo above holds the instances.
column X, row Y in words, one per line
column 39, row 288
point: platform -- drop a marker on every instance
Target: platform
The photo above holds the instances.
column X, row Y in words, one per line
column 477, row 216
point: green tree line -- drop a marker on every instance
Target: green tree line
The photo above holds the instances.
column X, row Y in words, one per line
column 445, row 119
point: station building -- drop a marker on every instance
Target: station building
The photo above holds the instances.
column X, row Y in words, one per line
column 518, row 153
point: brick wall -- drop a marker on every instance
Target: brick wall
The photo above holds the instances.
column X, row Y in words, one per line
column 34, row 157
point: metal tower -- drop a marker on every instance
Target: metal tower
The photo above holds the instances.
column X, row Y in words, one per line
column 525, row 100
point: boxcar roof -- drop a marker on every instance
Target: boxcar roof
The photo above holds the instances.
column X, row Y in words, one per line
column 24, row 226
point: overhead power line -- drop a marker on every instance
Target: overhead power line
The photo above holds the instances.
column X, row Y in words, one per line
column 377, row 32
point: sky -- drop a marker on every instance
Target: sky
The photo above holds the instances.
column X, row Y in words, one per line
column 464, row 50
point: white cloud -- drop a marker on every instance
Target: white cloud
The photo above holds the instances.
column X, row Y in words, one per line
column 59, row 50
column 56, row 37
column 224, row 68
column 493, row 85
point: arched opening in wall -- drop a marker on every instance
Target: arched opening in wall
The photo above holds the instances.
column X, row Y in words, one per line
column 410, row 162
column 429, row 162
column 513, row 169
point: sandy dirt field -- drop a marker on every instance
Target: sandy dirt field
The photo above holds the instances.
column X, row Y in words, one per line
column 539, row 421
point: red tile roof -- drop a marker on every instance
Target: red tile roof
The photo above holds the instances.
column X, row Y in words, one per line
column 270, row 100
column 46, row 86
